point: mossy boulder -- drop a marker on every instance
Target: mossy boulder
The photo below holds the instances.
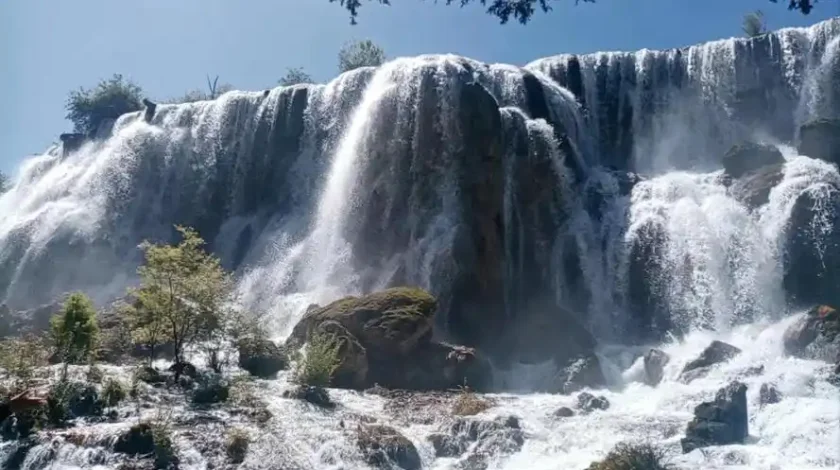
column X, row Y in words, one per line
column 385, row 338
column 261, row 357
column 747, row 157
column 352, row 371
column 821, row 139
column 392, row 321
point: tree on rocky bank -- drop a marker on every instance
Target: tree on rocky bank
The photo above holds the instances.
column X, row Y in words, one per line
column 523, row 10
column 89, row 108
column 753, row 24
column 360, row 54
column 294, row 76
column 4, row 182
column 75, row 332
column 182, row 297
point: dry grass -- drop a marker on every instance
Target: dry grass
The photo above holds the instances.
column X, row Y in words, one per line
column 468, row 403
column 632, row 457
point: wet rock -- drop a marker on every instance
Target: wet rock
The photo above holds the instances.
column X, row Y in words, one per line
column 754, row 371
column 386, row 339
column 149, row 112
column 753, row 189
column 812, row 247
column 384, row 447
column 184, row 369
column 821, row 139
column 715, row 353
column 318, row 396
column 261, row 357
column 502, row 435
column 719, row 422
column 815, row 335
column 563, row 412
column 587, row 402
column 584, row 372
column 748, row 157
column 70, row 142
column 655, row 361
column 769, row 394
column 210, row 388
column 150, row 375
column 137, row 440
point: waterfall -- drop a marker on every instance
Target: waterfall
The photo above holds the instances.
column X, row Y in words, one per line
column 577, row 195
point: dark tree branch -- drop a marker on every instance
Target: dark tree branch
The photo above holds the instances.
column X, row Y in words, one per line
column 523, row 10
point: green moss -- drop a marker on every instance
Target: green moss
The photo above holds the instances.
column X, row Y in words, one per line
column 400, row 300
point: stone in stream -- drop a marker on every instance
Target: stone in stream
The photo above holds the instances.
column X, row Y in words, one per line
column 719, row 422
column 655, row 361
column 384, row 447
column 587, row 402
column 769, row 394
column 716, row 353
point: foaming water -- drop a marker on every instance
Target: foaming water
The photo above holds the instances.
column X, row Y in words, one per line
column 795, row 434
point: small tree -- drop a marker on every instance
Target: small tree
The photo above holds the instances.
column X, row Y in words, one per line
column 360, row 54
column 110, row 99
column 214, row 90
column 295, row 76
column 182, row 294
column 754, row 25
column 75, row 332
column 4, row 182
column 319, row 362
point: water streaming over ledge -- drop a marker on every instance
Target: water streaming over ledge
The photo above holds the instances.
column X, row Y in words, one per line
column 439, row 170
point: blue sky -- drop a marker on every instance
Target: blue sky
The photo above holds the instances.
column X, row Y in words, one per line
column 168, row 46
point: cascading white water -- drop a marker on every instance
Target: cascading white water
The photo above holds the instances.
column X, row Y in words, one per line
column 290, row 185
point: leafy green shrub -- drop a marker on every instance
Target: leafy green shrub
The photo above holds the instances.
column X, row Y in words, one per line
column 69, row 400
column 354, row 55
column 295, row 76
column 87, row 109
column 113, row 392
column 632, row 457
column 320, row 361
column 236, row 445
column 75, row 332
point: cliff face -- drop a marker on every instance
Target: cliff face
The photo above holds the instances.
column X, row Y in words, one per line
column 486, row 184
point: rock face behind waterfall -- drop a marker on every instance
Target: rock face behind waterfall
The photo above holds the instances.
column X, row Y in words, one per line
column 387, row 340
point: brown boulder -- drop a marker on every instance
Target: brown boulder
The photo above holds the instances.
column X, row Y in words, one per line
column 815, row 335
